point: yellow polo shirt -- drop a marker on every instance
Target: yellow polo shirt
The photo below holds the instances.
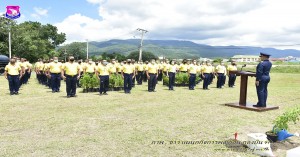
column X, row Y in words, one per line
column 55, row 67
column 183, row 67
column 89, row 68
column 152, row 68
column 221, row 69
column 140, row 67
column 120, row 68
column 12, row 69
column 231, row 68
column 40, row 66
column 207, row 69
column 71, row 68
column 102, row 70
column 46, row 66
column 172, row 68
column 128, row 69
column 113, row 68
column 199, row 67
column 166, row 67
column 192, row 69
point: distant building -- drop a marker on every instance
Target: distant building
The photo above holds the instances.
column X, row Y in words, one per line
column 205, row 59
column 245, row 58
column 292, row 59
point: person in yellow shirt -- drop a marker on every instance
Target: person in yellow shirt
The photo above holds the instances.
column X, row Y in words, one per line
column 232, row 77
column 72, row 71
column 221, row 72
column 172, row 69
column 212, row 75
column 37, row 71
column 120, row 67
column 113, row 67
column 207, row 69
column 160, row 70
column 13, row 73
column 166, row 65
column 183, row 68
column 81, row 66
column 54, row 70
column 152, row 74
column 139, row 72
column 48, row 76
column 145, row 74
column 192, row 71
column 89, row 68
column 128, row 73
column 103, row 72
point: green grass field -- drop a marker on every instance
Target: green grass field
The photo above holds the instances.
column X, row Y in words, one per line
column 40, row 123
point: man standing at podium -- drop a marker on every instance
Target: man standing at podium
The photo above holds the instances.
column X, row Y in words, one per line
column 262, row 79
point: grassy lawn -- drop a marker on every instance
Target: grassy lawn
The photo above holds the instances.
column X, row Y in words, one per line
column 40, row 123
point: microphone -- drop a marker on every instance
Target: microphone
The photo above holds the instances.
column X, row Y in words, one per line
column 243, row 67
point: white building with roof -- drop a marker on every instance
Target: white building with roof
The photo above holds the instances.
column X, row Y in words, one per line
column 245, row 58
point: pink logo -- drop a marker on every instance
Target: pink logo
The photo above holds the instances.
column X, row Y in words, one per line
column 13, row 12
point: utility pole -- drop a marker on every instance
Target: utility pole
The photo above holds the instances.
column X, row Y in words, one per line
column 87, row 49
column 9, row 41
column 141, row 45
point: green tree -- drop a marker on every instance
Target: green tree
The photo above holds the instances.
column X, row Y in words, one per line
column 146, row 56
column 30, row 40
column 76, row 49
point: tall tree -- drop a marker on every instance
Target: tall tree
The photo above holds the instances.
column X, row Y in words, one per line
column 31, row 40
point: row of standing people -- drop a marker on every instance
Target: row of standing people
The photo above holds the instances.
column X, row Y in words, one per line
column 51, row 72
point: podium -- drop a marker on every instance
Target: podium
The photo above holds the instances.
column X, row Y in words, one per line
column 242, row 104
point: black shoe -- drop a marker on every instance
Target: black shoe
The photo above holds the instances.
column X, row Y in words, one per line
column 105, row 94
column 16, row 93
column 53, row 91
column 73, row 95
column 57, row 91
column 12, row 93
column 256, row 106
column 68, row 96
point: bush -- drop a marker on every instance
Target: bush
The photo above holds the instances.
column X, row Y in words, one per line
column 180, row 79
column 116, row 81
column 88, row 81
column 281, row 122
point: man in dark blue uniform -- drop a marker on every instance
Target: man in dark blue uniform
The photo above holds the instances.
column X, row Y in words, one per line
column 262, row 79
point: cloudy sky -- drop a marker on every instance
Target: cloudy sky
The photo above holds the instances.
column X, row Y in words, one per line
column 266, row 23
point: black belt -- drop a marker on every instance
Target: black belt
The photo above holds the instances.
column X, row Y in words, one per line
column 71, row 75
column 152, row 73
column 55, row 73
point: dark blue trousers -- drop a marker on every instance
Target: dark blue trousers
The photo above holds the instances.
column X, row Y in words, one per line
column 104, row 83
column 55, row 82
column 211, row 78
column 71, row 85
column 206, row 80
column 13, row 82
column 192, row 81
column 127, row 82
column 220, row 80
column 231, row 81
column 224, row 80
column 152, row 82
column 26, row 77
column 171, row 80
column 262, row 91
column 140, row 77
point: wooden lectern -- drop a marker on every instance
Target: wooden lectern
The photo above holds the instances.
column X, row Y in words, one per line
column 242, row 104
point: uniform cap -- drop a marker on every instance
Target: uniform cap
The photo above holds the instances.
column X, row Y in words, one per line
column 264, row 54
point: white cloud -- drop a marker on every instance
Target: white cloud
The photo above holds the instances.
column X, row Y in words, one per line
column 214, row 22
column 39, row 12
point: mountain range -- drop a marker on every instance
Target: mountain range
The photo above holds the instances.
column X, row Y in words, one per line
column 183, row 49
